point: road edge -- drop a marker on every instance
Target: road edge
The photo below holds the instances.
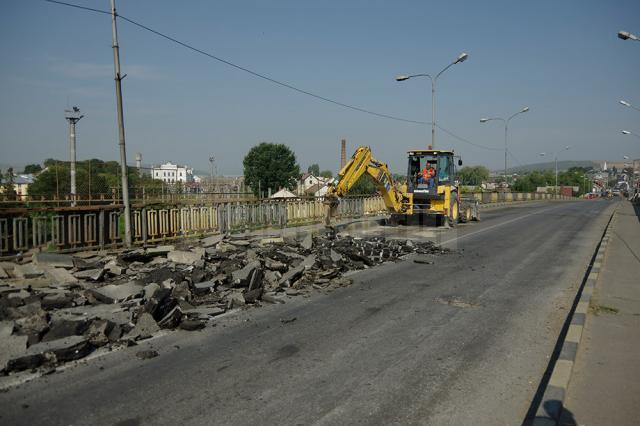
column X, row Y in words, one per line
column 551, row 405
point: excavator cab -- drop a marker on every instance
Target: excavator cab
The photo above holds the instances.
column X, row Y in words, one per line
column 431, row 183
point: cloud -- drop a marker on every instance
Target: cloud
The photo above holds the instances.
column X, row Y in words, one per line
column 84, row 70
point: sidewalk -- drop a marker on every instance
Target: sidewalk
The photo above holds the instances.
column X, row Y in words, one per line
column 605, row 383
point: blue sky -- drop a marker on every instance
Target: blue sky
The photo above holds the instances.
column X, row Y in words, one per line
column 561, row 58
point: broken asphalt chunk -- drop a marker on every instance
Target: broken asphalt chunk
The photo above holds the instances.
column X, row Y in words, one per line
column 113, row 293
column 56, row 260
column 184, row 257
column 145, row 327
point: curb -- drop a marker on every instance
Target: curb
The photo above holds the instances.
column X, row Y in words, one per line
column 551, row 404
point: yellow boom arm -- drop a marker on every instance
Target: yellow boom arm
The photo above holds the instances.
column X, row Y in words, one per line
column 360, row 163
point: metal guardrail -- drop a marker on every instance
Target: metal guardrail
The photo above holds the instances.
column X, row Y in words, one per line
column 501, row 197
column 89, row 227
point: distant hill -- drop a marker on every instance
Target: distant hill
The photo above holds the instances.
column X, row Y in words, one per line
column 550, row 165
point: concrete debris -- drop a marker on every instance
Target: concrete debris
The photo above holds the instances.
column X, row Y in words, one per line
column 184, row 257
column 114, row 268
column 3, row 273
column 12, row 347
column 160, row 250
column 90, row 274
column 307, row 242
column 60, row 276
column 113, row 293
column 28, row 270
column 64, row 328
column 241, row 276
column 212, row 240
column 273, row 240
column 61, row 307
column 56, row 260
column 145, row 327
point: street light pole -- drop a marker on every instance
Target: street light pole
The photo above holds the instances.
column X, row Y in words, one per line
column 506, row 130
column 566, row 148
column 461, row 58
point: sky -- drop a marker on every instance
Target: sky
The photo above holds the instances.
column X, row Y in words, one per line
column 560, row 58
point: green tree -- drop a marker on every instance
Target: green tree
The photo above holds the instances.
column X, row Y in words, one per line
column 473, row 175
column 8, row 184
column 314, row 169
column 32, row 169
column 326, row 174
column 270, row 166
column 363, row 186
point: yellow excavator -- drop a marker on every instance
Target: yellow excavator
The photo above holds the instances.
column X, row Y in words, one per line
column 417, row 200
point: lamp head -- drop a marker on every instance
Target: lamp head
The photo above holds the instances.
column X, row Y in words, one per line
column 624, row 35
column 626, row 132
column 525, row 109
column 402, row 78
column 625, row 103
column 484, row 120
column 461, row 58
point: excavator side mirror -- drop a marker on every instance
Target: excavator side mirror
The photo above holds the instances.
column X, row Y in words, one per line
column 460, row 162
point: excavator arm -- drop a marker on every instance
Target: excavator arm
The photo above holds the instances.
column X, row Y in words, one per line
column 362, row 162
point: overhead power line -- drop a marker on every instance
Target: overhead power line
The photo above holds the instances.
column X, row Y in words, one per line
column 461, row 139
column 267, row 78
column 514, row 157
column 241, row 68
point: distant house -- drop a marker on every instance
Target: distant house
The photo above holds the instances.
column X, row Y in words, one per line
column 308, row 181
column 172, row 173
column 20, row 184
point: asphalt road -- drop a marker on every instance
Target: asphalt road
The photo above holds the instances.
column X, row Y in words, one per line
column 462, row 341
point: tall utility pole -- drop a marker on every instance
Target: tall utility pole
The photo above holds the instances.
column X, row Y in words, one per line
column 123, row 151
column 212, row 160
column 72, row 116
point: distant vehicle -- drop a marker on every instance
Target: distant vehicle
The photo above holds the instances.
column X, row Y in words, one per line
column 615, row 192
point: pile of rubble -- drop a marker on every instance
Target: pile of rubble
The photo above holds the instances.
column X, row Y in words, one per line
column 60, row 307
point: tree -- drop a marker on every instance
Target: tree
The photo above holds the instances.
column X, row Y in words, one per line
column 314, row 169
column 270, row 166
column 7, row 185
column 326, row 174
column 363, row 186
column 32, row 169
column 473, row 175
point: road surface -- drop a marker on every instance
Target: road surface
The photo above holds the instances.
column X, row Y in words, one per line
column 465, row 340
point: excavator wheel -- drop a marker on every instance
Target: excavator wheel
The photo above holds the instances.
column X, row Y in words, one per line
column 468, row 215
column 454, row 211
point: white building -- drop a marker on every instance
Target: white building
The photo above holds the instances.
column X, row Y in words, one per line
column 308, row 184
column 172, row 173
